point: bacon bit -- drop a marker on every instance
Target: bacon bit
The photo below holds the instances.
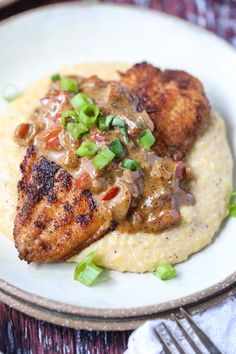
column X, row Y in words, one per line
column 58, row 102
column 22, row 130
column 51, row 138
column 46, row 136
column 53, row 143
column 57, row 116
column 180, row 171
column 99, row 138
column 61, row 96
column 111, row 193
column 83, row 181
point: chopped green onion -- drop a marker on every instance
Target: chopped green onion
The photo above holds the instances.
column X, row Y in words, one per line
column 147, row 139
column 77, row 129
column 89, row 274
column 10, row 92
column 89, row 257
column 68, row 84
column 86, row 271
column 232, row 210
column 81, row 265
column 55, row 77
column 165, row 271
column 103, row 158
column 122, row 126
column 104, row 122
column 80, row 100
column 117, row 148
column 130, row 164
column 232, row 206
column 88, row 114
column 118, row 122
column 87, row 148
column 68, row 116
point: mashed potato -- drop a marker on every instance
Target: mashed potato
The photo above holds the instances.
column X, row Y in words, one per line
column 210, row 161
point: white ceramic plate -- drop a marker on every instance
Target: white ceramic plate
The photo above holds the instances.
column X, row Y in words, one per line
column 43, row 40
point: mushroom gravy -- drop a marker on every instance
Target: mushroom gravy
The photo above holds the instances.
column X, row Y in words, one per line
column 145, row 198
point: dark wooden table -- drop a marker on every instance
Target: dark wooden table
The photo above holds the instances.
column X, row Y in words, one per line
column 22, row 334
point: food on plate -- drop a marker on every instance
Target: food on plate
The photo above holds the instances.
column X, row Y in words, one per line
column 115, row 159
column 232, row 204
column 165, row 271
column 86, row 271
column 53, row 208
column 175, row 102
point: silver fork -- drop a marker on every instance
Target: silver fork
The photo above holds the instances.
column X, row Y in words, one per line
column 205, row 340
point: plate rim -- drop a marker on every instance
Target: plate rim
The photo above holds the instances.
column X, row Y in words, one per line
column 82, row 322
column 54, row 305
column 209, row 292
column 137, row 8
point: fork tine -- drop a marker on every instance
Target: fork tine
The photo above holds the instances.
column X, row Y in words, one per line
column 163, row 343
column 174, row 339
column 202, row 336
column 187, row 336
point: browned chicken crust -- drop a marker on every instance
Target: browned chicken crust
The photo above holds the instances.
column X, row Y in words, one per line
column 54, row 219
column 175, row 102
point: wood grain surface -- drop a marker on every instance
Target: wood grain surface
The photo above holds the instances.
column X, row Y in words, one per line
column 22, row 334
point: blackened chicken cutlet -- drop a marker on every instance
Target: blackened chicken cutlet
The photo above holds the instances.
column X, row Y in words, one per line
column 176, row 103
column 54, row 218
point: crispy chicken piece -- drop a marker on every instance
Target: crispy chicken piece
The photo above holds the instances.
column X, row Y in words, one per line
column 176, row 103
column 55, row 220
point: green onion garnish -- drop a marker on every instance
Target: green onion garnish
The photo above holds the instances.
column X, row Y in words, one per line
column 68, row 116
column 122, row 126
column 10, row 92
column 69, row 84
column 88, row 114
column 104, row 122
column 130, row 164
column 103, row 158
column 165, row 271
column 117, row 148
column 86, row 271
column 80, row 100
column 55, row 77
column 90, row 274
column 118, row 122
column 77, row 130
column 232, row 205
column 87, row 148
column 147, row 139
column 82, row 264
